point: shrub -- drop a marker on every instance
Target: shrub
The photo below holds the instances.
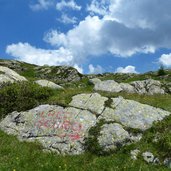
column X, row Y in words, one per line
column 161, row 71
column 22, row 96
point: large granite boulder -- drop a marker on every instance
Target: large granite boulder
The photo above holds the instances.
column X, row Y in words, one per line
column 65, row 130
column 148, row 87
column 46, row 83
column 133, row 114
column 93, row 102
column 8, row 75
column 109, row 86
column 58, row 129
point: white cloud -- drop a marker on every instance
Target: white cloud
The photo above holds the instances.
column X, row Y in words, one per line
column 125, row 28
column 67, row 4
column 67, row 20
column 80, row 69
column 26, row 52
column 128, row 69
column 42, row 5
column 95, row 70
column 165, row 60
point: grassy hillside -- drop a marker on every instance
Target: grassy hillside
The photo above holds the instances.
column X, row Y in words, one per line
column 16, row 155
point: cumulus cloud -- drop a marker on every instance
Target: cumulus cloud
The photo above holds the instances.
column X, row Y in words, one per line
column 95, row 70
column 42, row 5
column 67, row 20
column 126, row 28
column 127, row 69
column 67, row 4
column 165, row 60
column 30, row 54
column 80, row 69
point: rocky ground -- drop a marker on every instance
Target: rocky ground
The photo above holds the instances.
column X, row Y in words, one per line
column 94, row 114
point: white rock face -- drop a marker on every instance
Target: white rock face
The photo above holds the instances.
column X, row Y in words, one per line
column 46, row 83
column 8, row 75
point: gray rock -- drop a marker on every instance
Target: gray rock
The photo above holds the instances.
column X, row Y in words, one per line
column 58, row 129
column 93, row 102
column 148, row 157
column 134, row 154
column 8, row 75
column 112, row 136
column 133, row 114
column 94, row 81
column 127, row 88
column 167, row 162
column 46, row 83
column 148, row 87
column 109, row 86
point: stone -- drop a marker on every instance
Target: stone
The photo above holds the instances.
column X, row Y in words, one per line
column 133, row 114
column 149, row 87
column 148, row 157
column 8, row 75
column 93, row 102
column 94, row 81
column 134, row 154
column 112, row 136
column 58, row 129
column 127, row 88
column 167, row 162
column 46, row 83
column 108, row 86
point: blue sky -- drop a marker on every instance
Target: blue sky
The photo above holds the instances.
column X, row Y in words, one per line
column 93, row 36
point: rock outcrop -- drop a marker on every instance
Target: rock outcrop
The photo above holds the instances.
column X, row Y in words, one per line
column 64, row 130
column 149, row 86
column 46, row 83
column 8, row 75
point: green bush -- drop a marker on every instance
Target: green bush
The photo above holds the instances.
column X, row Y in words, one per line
column 22, row 96
column 161, row 71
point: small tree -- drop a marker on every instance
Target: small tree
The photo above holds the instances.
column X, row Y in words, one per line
column 161, row 71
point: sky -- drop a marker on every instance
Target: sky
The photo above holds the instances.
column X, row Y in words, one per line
column 125, row 36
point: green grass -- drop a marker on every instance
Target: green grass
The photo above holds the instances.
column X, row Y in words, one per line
column 15, row 155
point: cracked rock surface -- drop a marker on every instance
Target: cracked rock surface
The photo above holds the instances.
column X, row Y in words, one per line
column 64, row 130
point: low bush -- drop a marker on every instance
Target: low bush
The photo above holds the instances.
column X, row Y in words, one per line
column 22, row 96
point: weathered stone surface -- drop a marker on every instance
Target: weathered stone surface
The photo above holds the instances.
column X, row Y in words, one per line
column 8, row 75
column 64, row 130
column 93, row 102
column 112, row 136
column 133, row 114
column 58, row 129
column 46, row 83
column 149, row 86
column 109, row 86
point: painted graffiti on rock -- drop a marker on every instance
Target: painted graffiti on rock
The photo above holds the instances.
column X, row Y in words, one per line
column 61, row 121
